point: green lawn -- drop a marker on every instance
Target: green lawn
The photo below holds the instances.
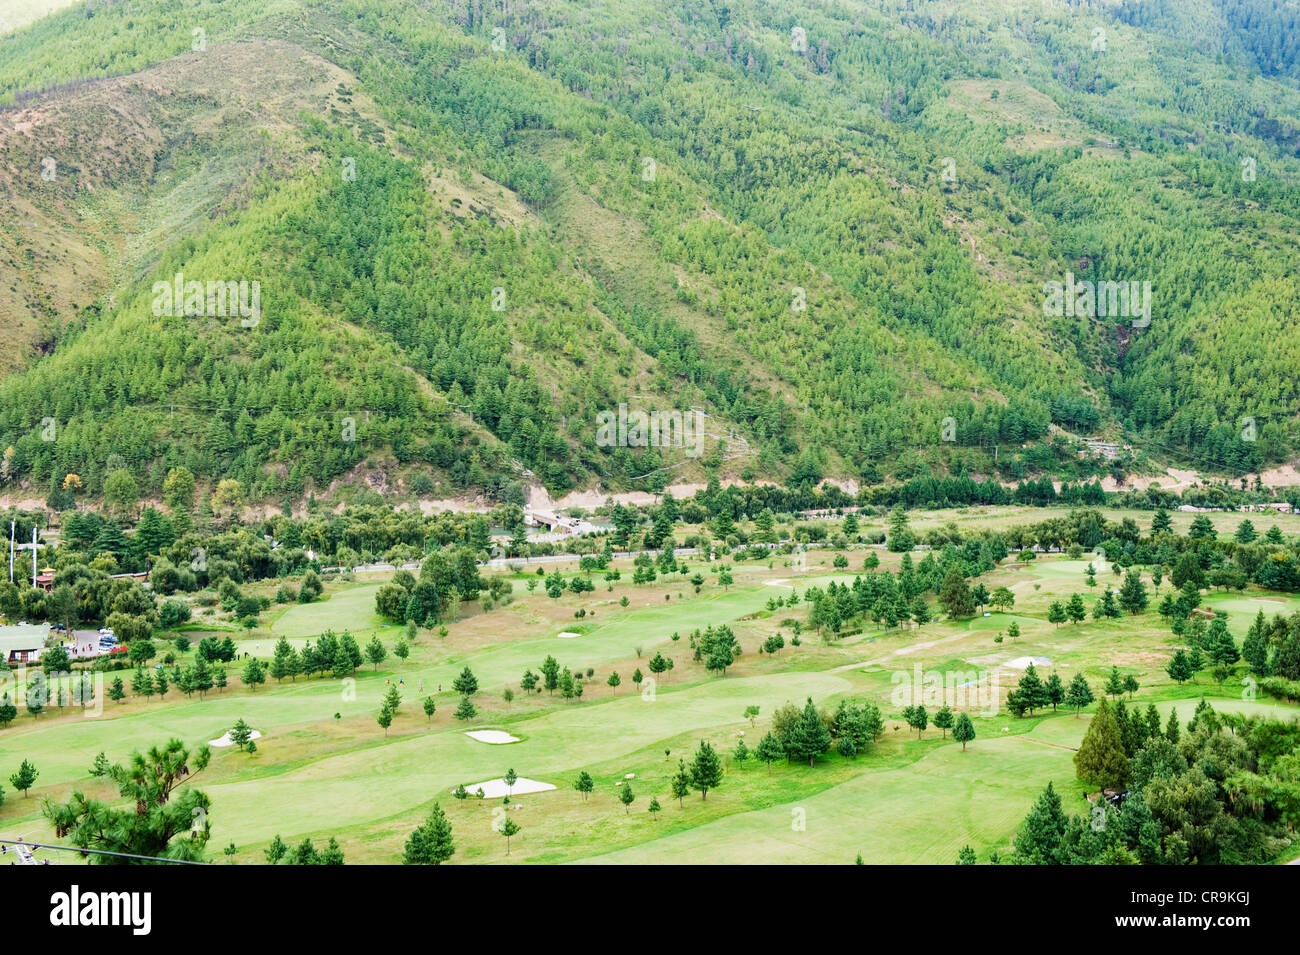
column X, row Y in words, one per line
column 906, row 800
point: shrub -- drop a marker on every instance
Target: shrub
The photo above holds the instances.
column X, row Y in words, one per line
column 173, row 613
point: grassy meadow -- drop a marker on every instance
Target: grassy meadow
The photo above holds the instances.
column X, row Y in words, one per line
column 324, row 767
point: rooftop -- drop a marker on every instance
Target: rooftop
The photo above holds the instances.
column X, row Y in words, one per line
column 22, row 636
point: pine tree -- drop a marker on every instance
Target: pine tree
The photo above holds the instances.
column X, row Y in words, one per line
column 955, row 595
column 1219, row 643
column 1056, row 613
column 1106, row 607
column 241, row 735
column 254, row 673
column 1101, row 759
column 706, row 769
column 1180, row 667
column 681, row 783
column 1038, row 841
column 809, row 737
column 964, row 730
column 769, row 750
column 1054, row 691
column 509, row 829
column 1079, row 694
column 284, row 662
column 276, row 851
column 1133, row 594
column 466, row 684
column 375, row 652
column 1254, row 649
column 550, row 674
column 1030, row 694
column 1153, row 721
column 25, row 777
column 920, row 611
column 430, row 843
column 944, row 720
column 917, row 718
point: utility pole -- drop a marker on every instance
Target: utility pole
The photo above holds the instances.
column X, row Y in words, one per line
column 12, row 526
column 33, row 556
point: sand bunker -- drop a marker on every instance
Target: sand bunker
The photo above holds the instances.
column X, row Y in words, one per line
column 568, row 635
column 227, row 741
column 492, row 736
column 1022, row 663
column 496, row 788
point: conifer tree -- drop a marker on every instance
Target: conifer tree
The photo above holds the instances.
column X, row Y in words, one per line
column 1038, row 842
column 964, row 730
column 681, row 783
column 430, row 843
column 769, row 750
column 809, row 737
column 1101, row 759
column 944, row 719
column 706, row 769
column 1079, row 694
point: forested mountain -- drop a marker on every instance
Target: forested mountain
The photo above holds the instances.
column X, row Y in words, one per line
column 475, row 226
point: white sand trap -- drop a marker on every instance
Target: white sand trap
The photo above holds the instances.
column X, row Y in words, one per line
column 1022, row 663
column 568, row 635
column 496, row 788
column 492, row 736
column 227, row 741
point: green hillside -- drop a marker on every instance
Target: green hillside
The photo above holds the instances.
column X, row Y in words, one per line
column 476, row 227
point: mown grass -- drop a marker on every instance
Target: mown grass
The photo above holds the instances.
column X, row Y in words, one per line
column 907, row 799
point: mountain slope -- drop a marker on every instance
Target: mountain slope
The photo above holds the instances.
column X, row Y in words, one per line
column 474, row 229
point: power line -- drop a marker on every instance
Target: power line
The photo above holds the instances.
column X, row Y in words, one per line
column 22, row 844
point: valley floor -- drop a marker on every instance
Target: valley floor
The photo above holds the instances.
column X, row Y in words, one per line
column 323, row 766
